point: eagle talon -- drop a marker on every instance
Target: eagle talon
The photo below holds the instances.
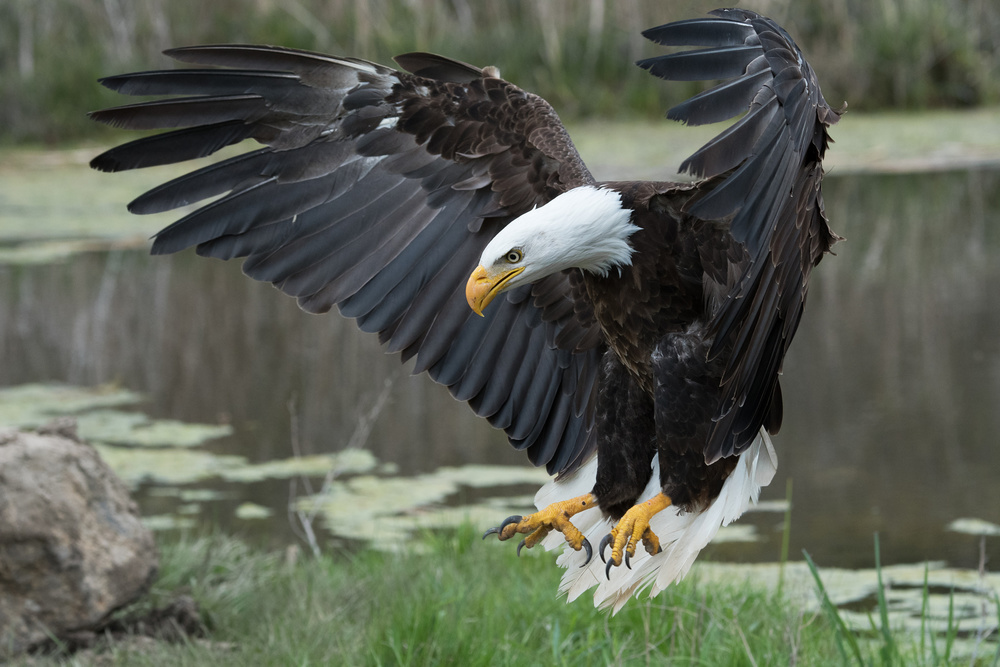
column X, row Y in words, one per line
column 605, row 541
column 513, row 519
column 589, row 550
column 498, row 530
column 631, row 529
column 554, row 517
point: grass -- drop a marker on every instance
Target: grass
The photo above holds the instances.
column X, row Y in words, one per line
column 467, row 602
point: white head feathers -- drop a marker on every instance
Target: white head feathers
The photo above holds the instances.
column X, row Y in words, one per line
column 586, row 228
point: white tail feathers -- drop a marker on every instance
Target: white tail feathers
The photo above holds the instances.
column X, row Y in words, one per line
column 682, row 534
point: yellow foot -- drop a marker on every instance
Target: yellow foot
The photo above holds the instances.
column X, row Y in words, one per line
column 632, row 528
column 538, row 525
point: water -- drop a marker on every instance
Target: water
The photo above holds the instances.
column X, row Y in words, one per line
column 892, row 386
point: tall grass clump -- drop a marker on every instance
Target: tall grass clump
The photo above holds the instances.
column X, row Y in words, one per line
column 579, row 55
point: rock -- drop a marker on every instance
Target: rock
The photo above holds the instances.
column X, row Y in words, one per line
column 178, row 621
column 72, row 546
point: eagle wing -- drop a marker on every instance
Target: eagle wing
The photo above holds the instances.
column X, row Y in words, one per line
column 764, row 174
column 376, row 191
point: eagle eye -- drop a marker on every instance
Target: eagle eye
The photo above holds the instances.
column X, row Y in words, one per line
column 514, row 256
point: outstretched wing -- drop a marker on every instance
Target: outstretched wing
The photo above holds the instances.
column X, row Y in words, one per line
column 765, row 173
column 376, row 191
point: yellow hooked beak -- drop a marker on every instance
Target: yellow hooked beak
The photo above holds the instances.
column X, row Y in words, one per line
column 482, row 287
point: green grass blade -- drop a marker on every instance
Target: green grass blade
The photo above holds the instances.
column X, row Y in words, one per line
column 952, row 627
column 996, row 656
column 889, row 649
column 786, row 532
column 844, row 634
column 924, row 627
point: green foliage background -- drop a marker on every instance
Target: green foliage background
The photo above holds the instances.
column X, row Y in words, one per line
column 875, row 54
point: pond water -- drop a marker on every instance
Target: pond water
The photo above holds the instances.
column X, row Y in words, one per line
column 892, row 387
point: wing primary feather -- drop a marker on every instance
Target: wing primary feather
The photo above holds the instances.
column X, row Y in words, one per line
column 315, row 69
column 473, row 358
column 714, row 63
column 200, row 82
column 540, row 393
column 172, row 147
column 499, row 393
column 701, row 32
column 544, row 449
column 721, row 102
column 181, row 112
column 735, row 144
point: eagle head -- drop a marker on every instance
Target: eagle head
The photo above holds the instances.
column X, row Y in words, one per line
column 585, row 228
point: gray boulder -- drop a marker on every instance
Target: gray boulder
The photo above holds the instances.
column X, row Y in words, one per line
column 72, row 546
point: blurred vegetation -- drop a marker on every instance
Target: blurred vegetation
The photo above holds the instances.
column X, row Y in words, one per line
column 577, row 53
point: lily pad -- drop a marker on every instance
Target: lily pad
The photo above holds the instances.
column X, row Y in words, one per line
column 395, row 533
column 166, row 466
column 168, row 522
column 32, row 405
column 974, row 527
column 387, row 511
column 188, row 495
column 769, row 506
column 252, row 511
column 737, row 532
column 348, row 461
column 135, row 429
column 481, row 476
column 523, row 502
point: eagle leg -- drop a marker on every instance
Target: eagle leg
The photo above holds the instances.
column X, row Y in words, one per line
column 630, row 530
column 541, row 523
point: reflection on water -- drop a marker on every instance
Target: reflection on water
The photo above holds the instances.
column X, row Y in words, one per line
column 892, row 386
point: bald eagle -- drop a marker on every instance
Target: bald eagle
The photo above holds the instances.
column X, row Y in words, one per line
column 626, row 335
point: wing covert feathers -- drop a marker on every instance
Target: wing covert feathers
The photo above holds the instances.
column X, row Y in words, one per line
column 763, row 173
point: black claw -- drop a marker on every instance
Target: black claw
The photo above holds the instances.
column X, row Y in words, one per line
column 607, row 570
column 627, row 564
column 519, row 547
column 498, row 530
column 509, row 520
column 605, row 541
column 589, row 550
